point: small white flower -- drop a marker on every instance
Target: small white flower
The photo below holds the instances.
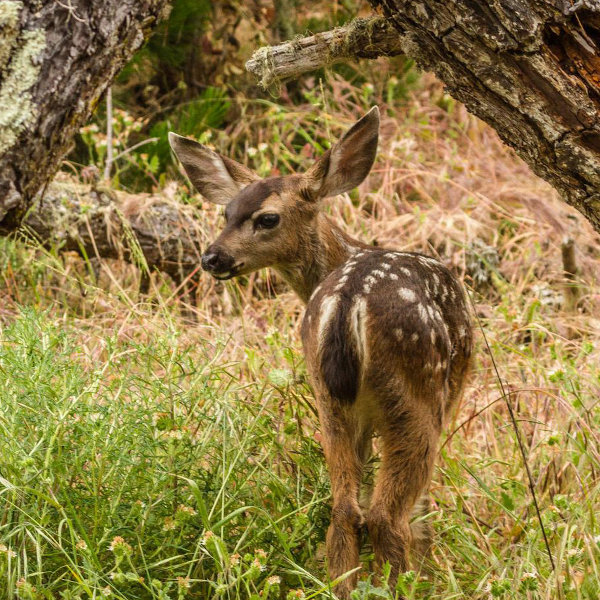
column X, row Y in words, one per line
column 81, row 545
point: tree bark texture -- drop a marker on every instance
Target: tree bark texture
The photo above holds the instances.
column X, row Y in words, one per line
column 56, row 60
column 362, row 38
column 529, row 68
column 151, row 232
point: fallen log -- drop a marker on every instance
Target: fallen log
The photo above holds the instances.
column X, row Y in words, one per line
column 154, row 233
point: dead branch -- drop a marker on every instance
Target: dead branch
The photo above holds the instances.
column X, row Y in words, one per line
column 361, row 38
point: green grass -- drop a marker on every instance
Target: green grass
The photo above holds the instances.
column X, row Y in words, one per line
column 158, row 444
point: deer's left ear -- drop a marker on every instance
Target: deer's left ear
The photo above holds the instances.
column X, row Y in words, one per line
column 347, row 163
column 216, row 177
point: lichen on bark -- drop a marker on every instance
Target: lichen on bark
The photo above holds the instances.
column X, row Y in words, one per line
column 17, row 109
column 9, row 32
column 59, row 59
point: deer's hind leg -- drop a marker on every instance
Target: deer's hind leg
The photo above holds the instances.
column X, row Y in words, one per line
column 346, row 443
column 422, row 533
column 408, row 441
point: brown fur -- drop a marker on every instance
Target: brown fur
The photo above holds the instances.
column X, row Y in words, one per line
column 407, row 384
column 387, row 338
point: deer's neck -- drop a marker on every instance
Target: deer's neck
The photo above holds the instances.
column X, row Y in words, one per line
column 325, row 250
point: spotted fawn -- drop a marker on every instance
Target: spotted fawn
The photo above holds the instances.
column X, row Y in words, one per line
column 386, row 334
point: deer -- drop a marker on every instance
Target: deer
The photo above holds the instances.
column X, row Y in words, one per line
column 387, row 337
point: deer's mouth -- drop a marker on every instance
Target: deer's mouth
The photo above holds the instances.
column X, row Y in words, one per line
column 223, row 276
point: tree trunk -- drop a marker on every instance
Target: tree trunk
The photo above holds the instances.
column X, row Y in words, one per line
column 56, row 60
column 529, row 68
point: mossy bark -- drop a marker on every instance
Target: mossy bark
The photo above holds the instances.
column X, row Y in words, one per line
column 56, row 60
column 529, row 68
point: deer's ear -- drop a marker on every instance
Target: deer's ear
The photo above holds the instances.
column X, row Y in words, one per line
column 216, row 177
column 347, row 163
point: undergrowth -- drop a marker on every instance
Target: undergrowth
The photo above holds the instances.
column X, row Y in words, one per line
column 144, row 455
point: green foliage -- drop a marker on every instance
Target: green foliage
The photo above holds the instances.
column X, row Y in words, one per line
column 196, row 118
column 148, row 472
column 163, row 59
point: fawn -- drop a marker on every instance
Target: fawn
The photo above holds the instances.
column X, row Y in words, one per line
column 387, row 335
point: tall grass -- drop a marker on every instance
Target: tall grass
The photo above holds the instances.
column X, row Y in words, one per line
column 144, row 456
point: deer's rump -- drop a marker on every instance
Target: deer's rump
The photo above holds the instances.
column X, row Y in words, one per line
column 388, row 318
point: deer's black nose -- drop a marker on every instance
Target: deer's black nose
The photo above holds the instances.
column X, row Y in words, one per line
column 215, row 260
column 210, row 261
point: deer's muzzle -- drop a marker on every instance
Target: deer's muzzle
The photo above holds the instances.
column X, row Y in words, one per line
column 219, row 263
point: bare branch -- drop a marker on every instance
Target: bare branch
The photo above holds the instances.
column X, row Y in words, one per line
column 361, row 38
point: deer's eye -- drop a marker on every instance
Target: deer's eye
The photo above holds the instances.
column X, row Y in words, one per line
column 266, row 221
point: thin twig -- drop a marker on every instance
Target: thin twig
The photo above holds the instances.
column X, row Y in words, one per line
column 135, row 147
column 513, row 419
column 109, row 135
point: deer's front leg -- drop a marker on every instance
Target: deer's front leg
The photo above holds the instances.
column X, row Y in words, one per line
column 343, row 445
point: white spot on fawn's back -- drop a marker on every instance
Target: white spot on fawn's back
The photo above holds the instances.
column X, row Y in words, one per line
column 340, row 283
column 348, row 267
column 358, row 325
column 328, row 308
column 315, row 292
column 407, row 294
column 430, row 311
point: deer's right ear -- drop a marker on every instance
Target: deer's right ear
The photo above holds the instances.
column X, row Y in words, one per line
column 216, row 177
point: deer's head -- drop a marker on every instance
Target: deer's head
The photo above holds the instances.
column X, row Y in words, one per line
column 269, row 222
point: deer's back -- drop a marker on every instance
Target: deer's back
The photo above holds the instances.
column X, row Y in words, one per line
column 390, row 322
